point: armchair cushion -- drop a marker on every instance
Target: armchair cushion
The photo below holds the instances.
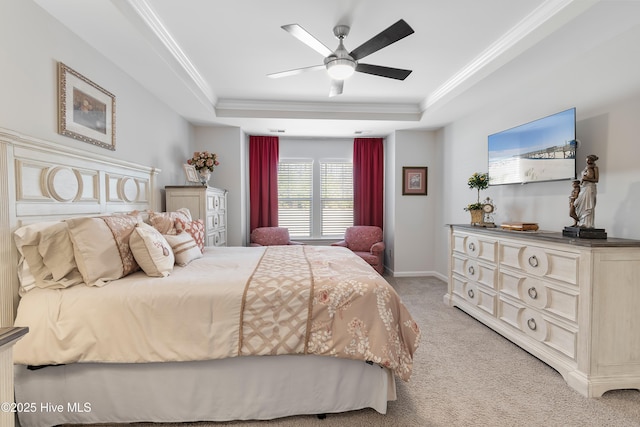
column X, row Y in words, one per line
column 361, row 238
column 271, row 236
column 366, row 242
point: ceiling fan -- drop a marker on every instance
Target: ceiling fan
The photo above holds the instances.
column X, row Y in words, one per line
column 341, row 64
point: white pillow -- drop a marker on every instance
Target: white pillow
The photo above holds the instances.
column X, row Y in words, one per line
column 151, row 251
column 56, row 250
column 47, row 256
column 185, row 249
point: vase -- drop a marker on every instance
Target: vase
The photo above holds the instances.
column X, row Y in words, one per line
column 205, row 176
column 477, row 216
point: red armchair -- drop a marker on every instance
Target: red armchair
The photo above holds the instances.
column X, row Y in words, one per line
column 366, row 242
column 271, row 236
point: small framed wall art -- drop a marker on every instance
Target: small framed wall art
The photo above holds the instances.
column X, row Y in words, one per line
column 414, row 181
column 190, row 173
column 86, row 111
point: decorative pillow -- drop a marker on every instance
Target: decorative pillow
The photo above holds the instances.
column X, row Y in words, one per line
column 152, row 252
column 47, row 256
column 164, row 222
column 101, row 247
column 194, row 228
column 141, row 216
column 185, row 249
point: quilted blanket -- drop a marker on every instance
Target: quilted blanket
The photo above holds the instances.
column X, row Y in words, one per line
column 232, row 302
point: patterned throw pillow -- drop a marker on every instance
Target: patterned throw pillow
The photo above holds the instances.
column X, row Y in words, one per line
column 194, row 228
column 152, row 251
column 164, row 222
column 184, row 248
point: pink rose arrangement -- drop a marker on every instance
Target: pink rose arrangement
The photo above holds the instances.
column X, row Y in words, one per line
column 202, row 160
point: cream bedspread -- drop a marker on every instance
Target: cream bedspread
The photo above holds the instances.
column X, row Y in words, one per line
column 232, row 302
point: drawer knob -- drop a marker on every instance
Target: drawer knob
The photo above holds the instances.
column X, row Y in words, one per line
column 532, row 293
column 470, row 293
column 472, row 270
column 533, row 261
column 472, row 247
column 531, row 323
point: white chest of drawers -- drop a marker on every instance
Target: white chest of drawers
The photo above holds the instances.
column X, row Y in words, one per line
column 206, row 203
column 573, row 303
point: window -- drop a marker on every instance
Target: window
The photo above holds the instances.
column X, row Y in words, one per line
column 295, row 196
column 336, row 188
column 315, row 199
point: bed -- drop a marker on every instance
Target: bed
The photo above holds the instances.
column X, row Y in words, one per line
column 234, row 333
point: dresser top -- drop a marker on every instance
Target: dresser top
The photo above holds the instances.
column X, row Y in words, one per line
column 550, row 236
column 194, row 187
column 8, row 335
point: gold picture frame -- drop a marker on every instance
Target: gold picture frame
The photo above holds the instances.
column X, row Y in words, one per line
column 414, row 181
column 86, row 111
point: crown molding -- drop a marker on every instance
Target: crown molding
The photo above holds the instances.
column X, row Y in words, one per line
column 542, row 21
column 144, row 11
column 317, row 110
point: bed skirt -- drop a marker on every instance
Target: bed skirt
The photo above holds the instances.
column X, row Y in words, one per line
column 243, row 388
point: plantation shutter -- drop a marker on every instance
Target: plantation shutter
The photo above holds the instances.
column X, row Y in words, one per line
column 295, row 193
column 336, row 193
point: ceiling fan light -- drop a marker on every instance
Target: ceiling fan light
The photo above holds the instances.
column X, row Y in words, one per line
column 341, row 68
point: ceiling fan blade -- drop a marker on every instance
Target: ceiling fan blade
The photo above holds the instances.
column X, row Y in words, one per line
column 305, row 37
column 396, row 32
column 377, row 70
column 296, row 71
column 336, row 87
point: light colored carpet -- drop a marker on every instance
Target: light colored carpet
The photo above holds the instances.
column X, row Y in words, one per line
column 467, row 375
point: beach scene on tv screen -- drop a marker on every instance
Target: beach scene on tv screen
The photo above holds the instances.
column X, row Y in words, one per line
column 543, row 150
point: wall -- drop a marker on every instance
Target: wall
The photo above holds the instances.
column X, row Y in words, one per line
column 229, row 144
column 413, row 222
column 390, row 191
column 31, row 43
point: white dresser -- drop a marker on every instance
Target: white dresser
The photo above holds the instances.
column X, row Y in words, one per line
column 206, row 203
column 573, row 303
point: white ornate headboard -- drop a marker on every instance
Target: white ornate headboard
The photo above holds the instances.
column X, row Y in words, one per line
column 44, row 181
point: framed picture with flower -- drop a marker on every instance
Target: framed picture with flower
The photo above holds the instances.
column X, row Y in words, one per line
column 190, row 173
column 414, row 181
column 86, row 111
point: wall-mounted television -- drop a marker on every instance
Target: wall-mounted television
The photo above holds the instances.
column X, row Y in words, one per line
column 541, row 150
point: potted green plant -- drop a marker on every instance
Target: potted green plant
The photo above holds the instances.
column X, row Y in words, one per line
column 479, row 181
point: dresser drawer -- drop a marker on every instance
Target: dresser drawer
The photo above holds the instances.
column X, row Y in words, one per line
column 539, row 327
column 216, row 238
column 215, row 220
column 215, row 202
column 475, row 271
column 220, row 238
column 476, row 247
column 540, row 262
column 538, row 293
column 478, row 295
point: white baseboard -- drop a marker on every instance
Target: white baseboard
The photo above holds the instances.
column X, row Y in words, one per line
column 417, row 274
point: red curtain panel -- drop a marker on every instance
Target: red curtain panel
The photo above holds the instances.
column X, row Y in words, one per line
column 263, row 181
column 368, row 181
